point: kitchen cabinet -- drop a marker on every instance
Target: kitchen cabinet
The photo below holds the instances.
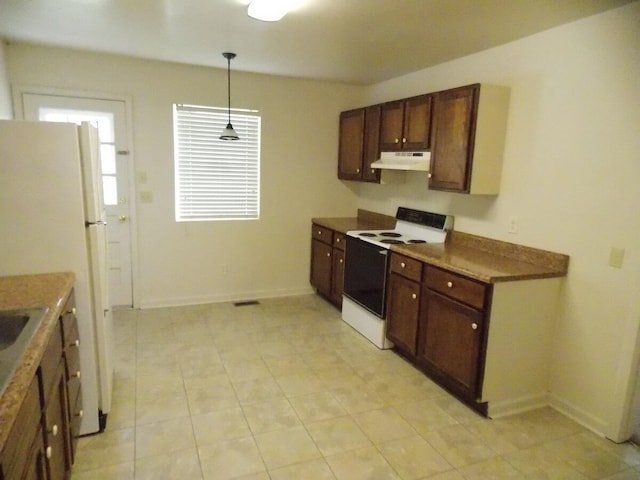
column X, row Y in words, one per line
column 403, row 302
column 359, row 144
column 71, row 354
column 327, row 263
column 40, row 445
column 405, row 124
column 467, row 139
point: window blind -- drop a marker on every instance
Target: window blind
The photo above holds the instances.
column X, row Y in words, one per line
column 216, row 179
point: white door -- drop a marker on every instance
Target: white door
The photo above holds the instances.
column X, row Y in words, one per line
column 110, row 118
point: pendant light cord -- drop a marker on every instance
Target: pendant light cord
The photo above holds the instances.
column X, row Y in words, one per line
column 229, row 86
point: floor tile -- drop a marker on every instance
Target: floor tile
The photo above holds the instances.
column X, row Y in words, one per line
column 176, row 465
column 286, row 447
column 163, row 437
column 493, row 469
column 239, row 371
column 459, row 446
column 123, row 471
column 300, row 384
column 107, row 449
column 259, row 389
column 230, row 459
column 273, row 414
column 220, row 425
column 312, row 470
column 316, row 406
column 413, row 458
column 383, row 425
column 337, row 435
column 363, row 464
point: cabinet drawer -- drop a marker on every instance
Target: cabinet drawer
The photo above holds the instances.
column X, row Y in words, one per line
column 454, row 286
column 23, row 432
column 407, row 267
column 322, row 234
column 51, row 360
column 338, row 240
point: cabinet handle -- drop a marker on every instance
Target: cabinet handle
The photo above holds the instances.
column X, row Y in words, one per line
column 474, row 326
column 402, row 264
column 76, row 375
column 48, row 452
column 414, row 296
column 75, row 344
column 450, row 284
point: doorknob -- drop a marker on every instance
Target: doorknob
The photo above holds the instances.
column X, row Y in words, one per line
column 122, row 218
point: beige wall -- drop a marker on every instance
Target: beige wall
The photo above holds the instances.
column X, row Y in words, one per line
column 183, row 262
column 6, row 110
column 572, row 177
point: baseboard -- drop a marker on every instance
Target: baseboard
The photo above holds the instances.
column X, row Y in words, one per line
column 595, row 424
column 498, row 409
column 227, row 297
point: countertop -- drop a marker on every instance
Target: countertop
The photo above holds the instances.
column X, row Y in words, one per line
column 481, row 258
column 25, row 291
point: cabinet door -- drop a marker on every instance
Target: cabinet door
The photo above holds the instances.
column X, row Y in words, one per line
column 417, row 122
column 403, row 301
column 321, row 263
column 337, row 274
column 391, row 119
column 450, row 340
column 452, row 138
column 371, row 143
column 36, row 464
column 351, row 145
column 57, row 440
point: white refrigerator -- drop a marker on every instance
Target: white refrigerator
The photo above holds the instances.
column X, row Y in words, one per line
column 52, row 219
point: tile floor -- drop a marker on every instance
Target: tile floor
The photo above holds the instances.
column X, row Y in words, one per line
column 286, row 390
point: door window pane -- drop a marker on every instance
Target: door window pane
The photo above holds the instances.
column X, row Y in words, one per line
column 110, row 190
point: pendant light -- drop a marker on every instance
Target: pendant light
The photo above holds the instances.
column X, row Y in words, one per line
column 229, row 133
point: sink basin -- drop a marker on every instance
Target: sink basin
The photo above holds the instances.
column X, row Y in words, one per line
column 17, row 328
column 11, row 326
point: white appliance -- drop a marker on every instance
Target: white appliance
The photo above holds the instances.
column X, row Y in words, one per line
column 52, row 219
column 367, row 265
column 418, row 161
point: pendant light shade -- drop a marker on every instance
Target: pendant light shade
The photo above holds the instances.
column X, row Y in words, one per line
column 229, row 133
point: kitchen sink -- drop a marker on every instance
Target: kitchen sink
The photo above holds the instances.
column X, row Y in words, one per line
column 17, row 328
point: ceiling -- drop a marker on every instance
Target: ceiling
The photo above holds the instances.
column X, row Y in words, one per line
column 354, row 41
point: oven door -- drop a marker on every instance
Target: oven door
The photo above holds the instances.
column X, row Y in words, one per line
column 365, row 274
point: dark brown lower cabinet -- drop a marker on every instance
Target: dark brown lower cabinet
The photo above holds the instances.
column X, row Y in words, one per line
column 57, row 439
column 327, row 263
column 403, row 307
column 337, row 276
column 450, row 342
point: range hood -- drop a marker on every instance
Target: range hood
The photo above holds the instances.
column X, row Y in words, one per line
column 418, row 161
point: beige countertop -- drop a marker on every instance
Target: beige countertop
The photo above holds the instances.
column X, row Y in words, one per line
column 25, row 291
column 480, row 258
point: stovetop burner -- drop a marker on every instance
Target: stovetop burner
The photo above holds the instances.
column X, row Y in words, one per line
column 415, row 240
column 367, row 234
column 391, row 241
column 391, row 234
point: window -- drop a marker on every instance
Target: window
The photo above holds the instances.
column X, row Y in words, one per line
column 216, row 179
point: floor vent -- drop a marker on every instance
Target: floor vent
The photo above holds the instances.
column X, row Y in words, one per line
column 246, row 303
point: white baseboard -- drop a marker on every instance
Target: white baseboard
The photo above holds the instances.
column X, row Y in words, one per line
column 227, row 297
column 498, row 409
column 595, row 424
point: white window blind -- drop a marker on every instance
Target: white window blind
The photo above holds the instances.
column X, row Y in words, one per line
column 216, row 179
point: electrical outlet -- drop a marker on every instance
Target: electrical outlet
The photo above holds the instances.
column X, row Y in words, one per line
column 616, row 257
column 513, row 226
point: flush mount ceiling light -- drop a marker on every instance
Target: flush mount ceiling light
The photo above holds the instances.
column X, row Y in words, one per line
column 229, row 133
column 268, row 10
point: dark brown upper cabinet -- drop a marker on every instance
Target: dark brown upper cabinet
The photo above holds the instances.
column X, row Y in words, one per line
column 405, row 124
column 359, row 144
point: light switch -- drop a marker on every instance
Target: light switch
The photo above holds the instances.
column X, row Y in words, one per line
column 146, row 197
column 616, row 257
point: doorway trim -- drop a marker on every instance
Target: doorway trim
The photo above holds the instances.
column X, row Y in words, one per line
column 18, row 107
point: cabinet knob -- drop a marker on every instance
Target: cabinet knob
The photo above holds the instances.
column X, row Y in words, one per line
column 402, row 264
column 373, row 170
column 404, row 140
column 76, row 375
column 73, row 310
column 341, row 260
column 337, row 240
column 397, row 140
column 429, row 175
column 414, row 296
column 75, row 344
column 450, row 284
column 474, row 326
column 357, row 170
column 49, row 452
column 319, row 232
column 80, row 413
column 328, row 254
column 54, row 430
